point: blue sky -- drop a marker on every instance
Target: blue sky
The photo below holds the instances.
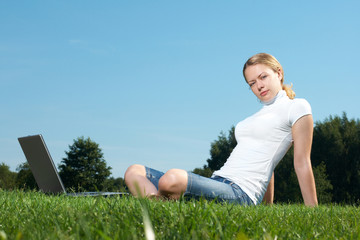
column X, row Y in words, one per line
column 155, row 82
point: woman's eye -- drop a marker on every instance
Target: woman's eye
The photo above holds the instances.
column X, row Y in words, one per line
column 251, row 84
column 263, row 77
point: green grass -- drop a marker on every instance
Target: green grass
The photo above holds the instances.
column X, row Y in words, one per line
column 33, row 215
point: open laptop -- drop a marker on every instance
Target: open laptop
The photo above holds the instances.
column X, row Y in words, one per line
column 44, row 170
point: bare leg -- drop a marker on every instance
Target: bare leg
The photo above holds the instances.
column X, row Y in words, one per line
column 173, row 184
column 136, row 180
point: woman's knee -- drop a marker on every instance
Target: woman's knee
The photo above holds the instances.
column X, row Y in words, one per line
column 174, row 180
column 134, row 170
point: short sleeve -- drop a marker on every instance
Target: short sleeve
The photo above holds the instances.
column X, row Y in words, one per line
column 300, row 107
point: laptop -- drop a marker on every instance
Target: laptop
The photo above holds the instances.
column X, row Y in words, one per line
column 44, row 170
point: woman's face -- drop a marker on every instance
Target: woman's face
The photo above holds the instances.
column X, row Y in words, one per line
column 263, row 81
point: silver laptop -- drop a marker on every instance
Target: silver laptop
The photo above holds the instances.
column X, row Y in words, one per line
column 44, row 170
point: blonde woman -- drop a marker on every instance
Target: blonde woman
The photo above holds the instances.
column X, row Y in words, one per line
column 262, row 141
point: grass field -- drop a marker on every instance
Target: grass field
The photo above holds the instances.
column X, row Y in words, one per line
column 32, row 215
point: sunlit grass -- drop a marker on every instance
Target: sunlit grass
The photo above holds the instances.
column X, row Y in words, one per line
column 33, row 215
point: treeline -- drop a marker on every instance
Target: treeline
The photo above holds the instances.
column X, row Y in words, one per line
column 335, row 159
column 83, row 169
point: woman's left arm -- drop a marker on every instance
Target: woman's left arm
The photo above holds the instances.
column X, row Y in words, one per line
column 302, row 132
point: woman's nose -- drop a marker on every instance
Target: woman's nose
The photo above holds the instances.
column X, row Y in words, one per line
column 259, row 84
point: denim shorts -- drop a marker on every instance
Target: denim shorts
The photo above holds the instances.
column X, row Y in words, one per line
column 214, row 188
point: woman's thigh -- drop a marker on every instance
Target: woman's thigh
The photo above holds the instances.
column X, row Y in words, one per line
column 216, row 188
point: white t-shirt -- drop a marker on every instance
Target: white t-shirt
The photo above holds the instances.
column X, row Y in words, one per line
column 262, row 141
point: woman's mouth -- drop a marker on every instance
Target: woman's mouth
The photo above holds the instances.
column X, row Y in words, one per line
column 264, row 93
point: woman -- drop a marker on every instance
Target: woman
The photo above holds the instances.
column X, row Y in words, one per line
column 262, row 141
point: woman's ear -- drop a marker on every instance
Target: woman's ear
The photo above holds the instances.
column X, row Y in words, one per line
column 279, row 73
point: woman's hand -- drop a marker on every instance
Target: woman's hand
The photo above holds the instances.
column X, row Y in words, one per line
column 302, row 132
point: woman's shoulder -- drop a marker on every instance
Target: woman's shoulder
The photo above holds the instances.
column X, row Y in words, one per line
column 295, row 103
column 299, row 107
column 300, row 102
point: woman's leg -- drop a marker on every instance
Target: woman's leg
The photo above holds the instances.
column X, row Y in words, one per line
column 173, row 184
column 218, row 188
column 176, row 182
column 137, row 182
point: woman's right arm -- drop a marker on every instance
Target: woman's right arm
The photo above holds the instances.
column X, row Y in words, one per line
column 302, row 134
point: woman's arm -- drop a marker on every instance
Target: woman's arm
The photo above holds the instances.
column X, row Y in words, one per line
column 302, row 132
column 269, row 195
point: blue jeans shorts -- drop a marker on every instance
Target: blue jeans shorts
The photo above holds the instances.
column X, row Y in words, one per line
column 215, row 188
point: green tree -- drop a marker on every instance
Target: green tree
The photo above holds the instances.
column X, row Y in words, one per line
column 221, row 149
column 25, row 179
column 205, row 171
column 84, row 168
column 287, row 188
column 115, row 185
column 286, row 184
column 7, row 177
column 323, row 185
column 337, row 144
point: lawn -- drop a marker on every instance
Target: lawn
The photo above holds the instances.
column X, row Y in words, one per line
column 33, row 215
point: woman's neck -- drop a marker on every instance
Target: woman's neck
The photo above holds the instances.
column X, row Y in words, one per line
column 279, row 95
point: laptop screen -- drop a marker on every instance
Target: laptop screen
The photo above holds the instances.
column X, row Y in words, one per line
column 41, row 164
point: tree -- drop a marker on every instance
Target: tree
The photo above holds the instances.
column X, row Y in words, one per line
column 115, row 185
column 205, row 171
column 84, row 168
column 7, row 177
column 25, row 179
column 287, row 188
column 221, row 149
column 337, row 145
column 323, row 185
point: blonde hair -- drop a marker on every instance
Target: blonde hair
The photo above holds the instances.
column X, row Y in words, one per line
column 273, row 63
